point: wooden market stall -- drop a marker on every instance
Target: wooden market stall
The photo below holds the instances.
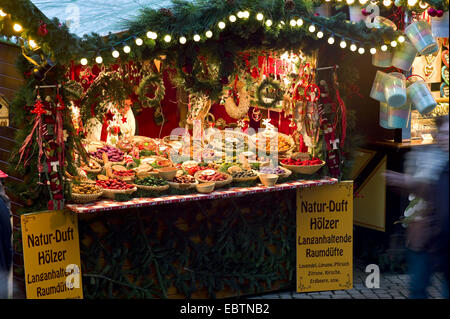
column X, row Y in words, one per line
column 180, row 147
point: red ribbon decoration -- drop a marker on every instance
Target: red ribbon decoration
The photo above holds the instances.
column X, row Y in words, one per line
column 60, row 128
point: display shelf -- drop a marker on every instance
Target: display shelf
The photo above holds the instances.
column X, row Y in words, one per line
column 110, row 205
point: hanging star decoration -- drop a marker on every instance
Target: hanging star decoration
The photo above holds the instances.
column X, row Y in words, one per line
column 124, row 119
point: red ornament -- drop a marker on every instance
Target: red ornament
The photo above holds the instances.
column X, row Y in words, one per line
column 432, row 12
column 42, row 30
column 38, row 108
column 365, row 12
column 439, row 13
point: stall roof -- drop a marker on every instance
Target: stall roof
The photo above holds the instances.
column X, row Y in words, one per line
column 98, row 16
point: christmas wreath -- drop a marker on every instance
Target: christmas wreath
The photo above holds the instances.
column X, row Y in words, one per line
column 269, row 93
column 160, row 91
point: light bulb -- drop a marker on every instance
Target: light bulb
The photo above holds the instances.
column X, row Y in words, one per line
column 269, row 23
column 152, row 35
column 320, row 34
column 126, row 49
column 299, row 22
column 361, row 50
column 401, row 39
column 393, row 44
column 293, row 23
column 139, row 42
column 221, row 25
column 363, row 1
column 384, row 48
column 312, row 28
column 412, row 3
column 2, row 14
column 167, row 38
column 232, row 18
column 240, row 15
column 84, row 61
column 17, row 27
column 197, row 38
column 115, row 54
column 32, row 44
column 209, row 34
column 350, row 2
column 373, row 50
column 353, row 47
column 99, row 59
column 246, row 14
column 343, row 44
column 387, row 3
column 259, row 17
column 331, row 40
column 183, row 40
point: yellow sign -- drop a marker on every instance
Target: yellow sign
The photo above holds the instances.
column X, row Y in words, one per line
column 51, row 253
column 325, row 237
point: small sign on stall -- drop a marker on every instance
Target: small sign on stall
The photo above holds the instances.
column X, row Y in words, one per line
column 325, row 237
column 51, row 253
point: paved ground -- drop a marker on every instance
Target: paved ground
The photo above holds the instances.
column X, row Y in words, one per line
column 392, row 286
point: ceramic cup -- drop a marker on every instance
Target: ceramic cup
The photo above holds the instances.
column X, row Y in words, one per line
column 384, row 113
column 398, row 117
column 419, row 33
column 404, row 56
column 395, row 89
column 382, row 59
column 420, row 96
column 439, row 26
column 377, row 91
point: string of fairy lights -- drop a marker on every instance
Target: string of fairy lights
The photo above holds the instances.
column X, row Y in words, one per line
column 313, row 28
column 386, row 3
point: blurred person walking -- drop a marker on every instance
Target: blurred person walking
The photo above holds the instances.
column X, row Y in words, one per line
column 5, row 239
column 427, row 234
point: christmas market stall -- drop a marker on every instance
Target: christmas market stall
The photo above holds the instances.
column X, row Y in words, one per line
column 183, row 147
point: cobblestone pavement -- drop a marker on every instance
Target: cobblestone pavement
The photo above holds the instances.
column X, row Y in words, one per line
column 392, row 286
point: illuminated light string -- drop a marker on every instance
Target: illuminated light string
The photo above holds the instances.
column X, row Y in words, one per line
column 387, row 3
column 313, row 27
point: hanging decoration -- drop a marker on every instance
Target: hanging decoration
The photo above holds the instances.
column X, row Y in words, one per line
column 151, row 81
column 269, row 93
column 237, row 103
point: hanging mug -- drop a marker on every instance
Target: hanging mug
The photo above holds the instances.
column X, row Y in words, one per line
column 439, row 26
column 404, row 56
column 384, row 113
column 382, row 59
column 421, row 98
column 398, row 117
column 377, row 92
column 419, row 33
column 395, row 89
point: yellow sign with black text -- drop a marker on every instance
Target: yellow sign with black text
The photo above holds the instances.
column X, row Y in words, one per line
column 325, row 237
column 51, row 253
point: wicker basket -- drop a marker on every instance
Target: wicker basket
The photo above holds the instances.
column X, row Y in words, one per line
column 153, row 188
column 246, row 179
column 307, row 170
column 85, row 198
column 218, row 183
column 182, row 186
column 111, row 193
